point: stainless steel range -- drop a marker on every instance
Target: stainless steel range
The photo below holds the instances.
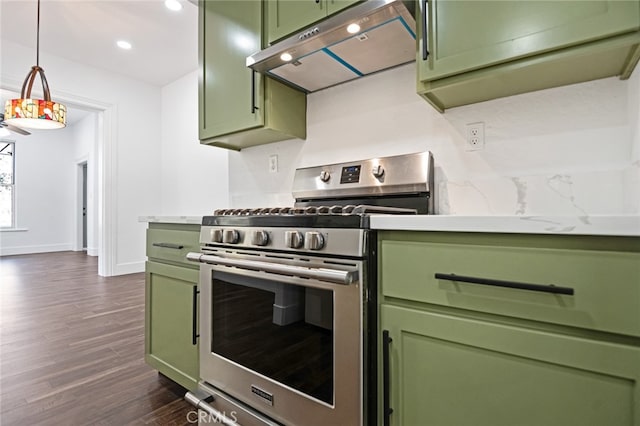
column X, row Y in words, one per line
column 288, row 296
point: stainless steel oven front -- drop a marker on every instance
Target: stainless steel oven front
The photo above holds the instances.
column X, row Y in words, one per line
column 281, row 334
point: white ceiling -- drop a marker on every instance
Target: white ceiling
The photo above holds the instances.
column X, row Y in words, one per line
column 85, row 31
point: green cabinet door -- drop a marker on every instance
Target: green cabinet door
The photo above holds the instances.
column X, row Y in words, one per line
column 170, row 303
column 237, row 106
column 229, row 31
column 455, row 371
column 539, row 44
column 287, row 16
column 461, row 39
column 334, row 6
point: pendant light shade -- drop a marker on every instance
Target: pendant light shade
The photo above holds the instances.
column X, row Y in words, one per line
column 30, row 113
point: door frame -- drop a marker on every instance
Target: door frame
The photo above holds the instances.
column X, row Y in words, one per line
column 107, row 128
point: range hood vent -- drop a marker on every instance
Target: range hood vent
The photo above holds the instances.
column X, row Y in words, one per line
column 327, row 53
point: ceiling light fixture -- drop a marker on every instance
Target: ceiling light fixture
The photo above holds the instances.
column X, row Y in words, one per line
column 123, row 44
column 174, row 5
column 286, row 57
column 353, row 28
column 35, row 113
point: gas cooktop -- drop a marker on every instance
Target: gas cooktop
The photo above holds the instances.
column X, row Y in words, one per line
column 345, row 194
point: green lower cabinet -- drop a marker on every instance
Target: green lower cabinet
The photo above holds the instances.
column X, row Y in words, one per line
column 446, row 370
column 171, row 302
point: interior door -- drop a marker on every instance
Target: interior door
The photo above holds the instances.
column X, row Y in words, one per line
column 84, row 206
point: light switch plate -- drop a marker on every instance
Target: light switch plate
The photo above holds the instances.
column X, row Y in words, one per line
column 273, row 163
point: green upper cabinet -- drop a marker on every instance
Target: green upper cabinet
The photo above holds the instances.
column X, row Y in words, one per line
column 288, row 16
column 480, row 50
column 238, row 107
column 334, row 6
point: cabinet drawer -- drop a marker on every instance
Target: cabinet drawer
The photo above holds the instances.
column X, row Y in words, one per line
column 605, row 280
column 172, row 245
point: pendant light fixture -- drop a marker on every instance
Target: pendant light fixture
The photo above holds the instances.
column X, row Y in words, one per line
column 35, row 113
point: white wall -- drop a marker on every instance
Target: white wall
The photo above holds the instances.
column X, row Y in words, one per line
column 194, row 177
column 632, row 173
column 131, row 161
column 45, row 194
column 562, row 151
column 48, row 190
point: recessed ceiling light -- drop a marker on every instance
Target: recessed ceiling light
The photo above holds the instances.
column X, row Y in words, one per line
column 124, row 44
column 174, row 5
column 353, row 28
column 286, row 57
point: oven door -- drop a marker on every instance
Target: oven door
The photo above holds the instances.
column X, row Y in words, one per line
column 283, row 334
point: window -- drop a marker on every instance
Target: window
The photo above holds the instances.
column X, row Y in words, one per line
column 7, row 185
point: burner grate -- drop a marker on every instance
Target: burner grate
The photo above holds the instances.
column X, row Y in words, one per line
column 350, row 209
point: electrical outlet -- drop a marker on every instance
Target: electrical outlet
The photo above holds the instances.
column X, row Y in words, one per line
column 475, row 136
column 273, row 163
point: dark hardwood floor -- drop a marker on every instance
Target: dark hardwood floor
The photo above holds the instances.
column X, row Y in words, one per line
column 72, row 347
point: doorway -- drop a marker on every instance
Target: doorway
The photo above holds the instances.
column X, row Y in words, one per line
column 84, row 206
column 84, row 239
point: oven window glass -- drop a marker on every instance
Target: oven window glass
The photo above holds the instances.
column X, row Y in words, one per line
column 282, row 331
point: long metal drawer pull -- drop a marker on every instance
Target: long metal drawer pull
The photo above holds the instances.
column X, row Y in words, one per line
column 194, row 317
column 219, row 416
column 386, row 378
column 253, row 92
column 509, row 284
column 332, row 275
column 169, row 245
column 425, row 30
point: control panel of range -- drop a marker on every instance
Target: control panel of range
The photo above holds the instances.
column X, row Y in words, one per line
column 344, row 242
column 410, row 173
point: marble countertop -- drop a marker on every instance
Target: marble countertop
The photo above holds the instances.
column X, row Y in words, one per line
column 571, row 225
column 197, row 220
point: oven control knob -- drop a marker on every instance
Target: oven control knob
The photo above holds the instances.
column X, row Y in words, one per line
column 216, row 236
column 313, row 241
column 260, row 238
column 378, row 171
column 293, row 239
column 325, row 176
column 230, row 236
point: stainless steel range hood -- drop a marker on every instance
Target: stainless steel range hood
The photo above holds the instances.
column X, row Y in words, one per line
column 327, row 54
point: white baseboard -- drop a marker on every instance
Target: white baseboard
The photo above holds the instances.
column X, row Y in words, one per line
column 128, row 268
column 48, row 248
column 89, row 251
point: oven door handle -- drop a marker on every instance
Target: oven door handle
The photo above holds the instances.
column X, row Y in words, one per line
column 202, row 405
column 322, row 274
